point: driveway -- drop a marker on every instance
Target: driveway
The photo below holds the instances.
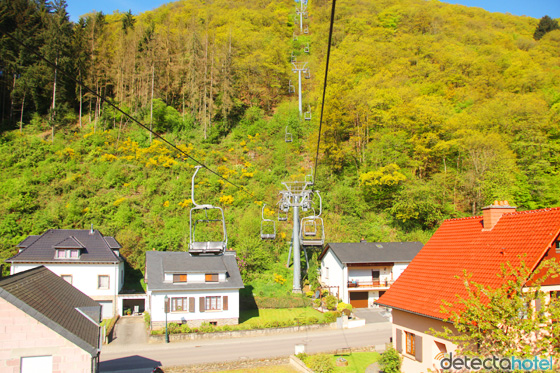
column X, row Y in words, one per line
column 130, row 330
column 373, row 315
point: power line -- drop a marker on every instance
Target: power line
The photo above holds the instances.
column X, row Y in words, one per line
column 103, row 99
column 324, row 89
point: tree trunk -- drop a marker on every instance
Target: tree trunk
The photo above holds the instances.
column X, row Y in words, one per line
column 21, row 116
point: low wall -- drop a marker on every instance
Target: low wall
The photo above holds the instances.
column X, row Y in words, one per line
column 160, row 338
column 298, row 365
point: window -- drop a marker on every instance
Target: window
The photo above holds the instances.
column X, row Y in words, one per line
column 213, row 303
column 103, row 282
column 557, row 247
column 211, row 277
column 32, row 364
column 178, row 278
column 410, row 348
column 326, row 273
column 67, row 254
column 179, row 304
column 67, row 278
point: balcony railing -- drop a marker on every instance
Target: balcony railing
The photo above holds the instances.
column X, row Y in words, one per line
column 370, row 284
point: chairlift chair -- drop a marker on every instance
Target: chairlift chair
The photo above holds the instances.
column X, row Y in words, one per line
column 307, row 115
column 268, row 227
column 306, row 48
column 291, row 88
column 295, row 37
column 288, row 136
column 312, row 229
column 307, row 74
column 203, row 247
column 306, row 29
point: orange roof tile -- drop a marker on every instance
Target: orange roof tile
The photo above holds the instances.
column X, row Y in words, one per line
column 462, row 244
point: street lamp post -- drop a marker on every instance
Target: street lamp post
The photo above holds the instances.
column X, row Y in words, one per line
column 166, row 309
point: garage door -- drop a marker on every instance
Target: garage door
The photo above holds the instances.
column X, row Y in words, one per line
column 106, row 309
column 359, row 299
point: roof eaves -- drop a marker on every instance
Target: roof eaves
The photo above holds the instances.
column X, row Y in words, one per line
column 413, row 312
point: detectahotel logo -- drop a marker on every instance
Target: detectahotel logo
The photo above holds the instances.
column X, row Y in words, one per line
column 493, row 363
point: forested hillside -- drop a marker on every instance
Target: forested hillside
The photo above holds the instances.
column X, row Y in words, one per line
column 432, row 111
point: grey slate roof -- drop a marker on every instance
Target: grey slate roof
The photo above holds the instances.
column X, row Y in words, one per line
column 159, row 262
column 94, row 247
column 52, row 301
column 373, row 252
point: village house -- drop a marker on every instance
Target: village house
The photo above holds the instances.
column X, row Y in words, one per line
column 359, row 273
column 478, row 245
column 84, row 258
column 47, row 325
column 198, row 288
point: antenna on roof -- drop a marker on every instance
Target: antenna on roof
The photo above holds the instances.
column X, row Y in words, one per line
column 91, row 231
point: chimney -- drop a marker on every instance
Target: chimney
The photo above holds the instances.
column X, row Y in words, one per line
column 91, row 230
column 491, row 214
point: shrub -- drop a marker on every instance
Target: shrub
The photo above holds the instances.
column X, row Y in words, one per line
column 330, row 316
column 312, row 320
column 317, row 303
column 320, row 363
column 173, row 328
column 185, row 328
column 344, row 306
column 391, row 361
column 147, row 319
column 309, row 294
column 331, row 302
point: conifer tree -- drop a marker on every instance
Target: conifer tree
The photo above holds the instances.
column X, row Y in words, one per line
column 546, row 24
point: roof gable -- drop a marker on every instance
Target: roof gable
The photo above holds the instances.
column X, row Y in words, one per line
column 463, row 245
column 54, row 302
column 41, row 249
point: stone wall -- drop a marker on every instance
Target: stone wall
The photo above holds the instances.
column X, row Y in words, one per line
column 197, row 323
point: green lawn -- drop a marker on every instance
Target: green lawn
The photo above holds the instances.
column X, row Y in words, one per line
column 267, row 369
column 261, row 316
column 357, row 361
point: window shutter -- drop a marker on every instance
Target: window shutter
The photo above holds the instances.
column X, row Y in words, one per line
column 201, row 304
column 215, row 277
column 176, row 278
column 191, row 304
column 418, row 347
column 183, row 278
column 537, row 304
column 398, row 342
column 208, row 277
column 225, row 302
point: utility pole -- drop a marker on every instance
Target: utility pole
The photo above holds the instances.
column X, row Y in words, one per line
column 299, row 68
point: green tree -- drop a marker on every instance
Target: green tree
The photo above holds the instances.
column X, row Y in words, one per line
column 515, row 318
column 546, row 24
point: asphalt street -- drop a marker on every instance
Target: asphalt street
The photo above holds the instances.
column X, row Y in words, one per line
column 141, row 357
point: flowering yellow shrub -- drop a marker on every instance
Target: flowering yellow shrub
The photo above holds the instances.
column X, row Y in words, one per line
column 166, row 204
column 279, row 279
column 226, row 200
column 119, row 201
column 247, row 174
column 66, row 152
column 185, row 203
column 108, row 158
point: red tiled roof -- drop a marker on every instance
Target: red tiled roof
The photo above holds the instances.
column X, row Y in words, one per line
column 462, row 244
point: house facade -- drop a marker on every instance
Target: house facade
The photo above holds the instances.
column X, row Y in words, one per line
column 479, row 245
column 85, row 258
column 38, row 337
column 359, row 273
column 199, row 288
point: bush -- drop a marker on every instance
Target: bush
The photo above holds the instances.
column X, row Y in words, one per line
column 312, row 320
column 185, row 328
column 309, row 294
column 343, row 306
column 283, row 302
column 147, row 319
column 330, row 317
column 317, row 303
column 331, row 302
column 391, row 361
column 320, row 363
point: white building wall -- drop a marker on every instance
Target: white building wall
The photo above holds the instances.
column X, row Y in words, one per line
column 84, row 276
column 398, row 269
column 156, row 302
column 335, row 275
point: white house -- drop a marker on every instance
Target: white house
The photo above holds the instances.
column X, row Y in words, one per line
column 199, row 288
column 359, row 273
column 85, row 258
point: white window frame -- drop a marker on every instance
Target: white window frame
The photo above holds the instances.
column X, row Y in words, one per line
column 99, row 287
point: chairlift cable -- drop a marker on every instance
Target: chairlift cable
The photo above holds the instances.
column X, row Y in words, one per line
column 103, row 99
column 324, row 89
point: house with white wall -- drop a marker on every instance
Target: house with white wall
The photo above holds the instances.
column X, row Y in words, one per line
column 479, row 246
column 85, row 258
column 199, row 289
column 358, row 273
column 47, row 325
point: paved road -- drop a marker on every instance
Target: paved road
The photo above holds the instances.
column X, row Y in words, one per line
column 372, row 315
column 141, row 357
column 130, row 330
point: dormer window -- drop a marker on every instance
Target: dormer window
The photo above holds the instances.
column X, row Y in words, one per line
column 179, row 278
column 67, row 254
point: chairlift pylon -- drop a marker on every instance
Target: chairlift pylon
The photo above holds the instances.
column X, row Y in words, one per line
column 203, row 247
column 266, row 225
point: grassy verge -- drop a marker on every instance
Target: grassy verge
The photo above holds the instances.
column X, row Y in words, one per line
column 357, row 361
column 282, row 315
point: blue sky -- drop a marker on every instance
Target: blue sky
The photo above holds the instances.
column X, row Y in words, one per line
column 532, row 8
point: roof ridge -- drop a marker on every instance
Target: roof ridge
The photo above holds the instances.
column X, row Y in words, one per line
column 465, row 218
column 546, row 209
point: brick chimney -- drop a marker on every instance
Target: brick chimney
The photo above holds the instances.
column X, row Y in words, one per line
column 491, row 214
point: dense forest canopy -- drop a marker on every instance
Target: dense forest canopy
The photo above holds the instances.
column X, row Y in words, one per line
column 432, row 111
